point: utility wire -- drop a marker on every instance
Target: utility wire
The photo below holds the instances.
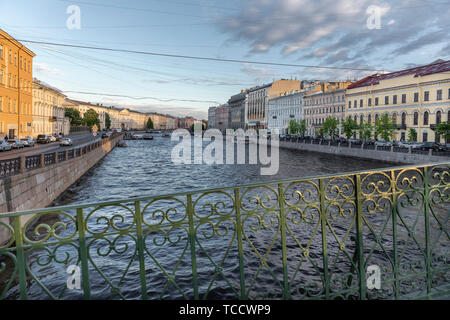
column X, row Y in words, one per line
column 192, row 57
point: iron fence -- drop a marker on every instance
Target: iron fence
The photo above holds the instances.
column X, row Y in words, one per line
column 9, row 167
column 326, row 237
column 33, row 162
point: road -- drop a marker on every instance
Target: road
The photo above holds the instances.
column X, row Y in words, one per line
column 79, row 139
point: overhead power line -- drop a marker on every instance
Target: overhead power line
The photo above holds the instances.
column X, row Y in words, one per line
column 192, row 57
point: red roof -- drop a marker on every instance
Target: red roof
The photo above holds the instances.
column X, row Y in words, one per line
column 437, row 67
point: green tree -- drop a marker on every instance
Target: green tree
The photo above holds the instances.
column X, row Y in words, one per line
column 365, row 129
column 90, row 118
column 443, row 129
column 149, row 124
column 348, row 126
column 412, row 135
column 107, row 121
column 74, row 116
column 293, row 127
column 330, row 127
column 385, row 127
column 302, row 127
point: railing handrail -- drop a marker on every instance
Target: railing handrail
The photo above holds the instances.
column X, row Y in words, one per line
column 211, row 190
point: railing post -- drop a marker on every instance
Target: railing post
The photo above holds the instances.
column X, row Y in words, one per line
column 426, row 212
column 239, row 232
column 286, row 289
column 394, row 235
column 56, row 157
column 20, row 254
column 140, row 247
column 359, row 239
column 192, row 238
column 83, row 251
column 23, row 164
column 323, row 223
column 42, row 160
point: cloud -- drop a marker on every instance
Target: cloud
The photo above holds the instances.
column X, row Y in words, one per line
column 45, row 69
column 334, row 32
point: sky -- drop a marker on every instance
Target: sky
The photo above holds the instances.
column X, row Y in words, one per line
column 364, row 36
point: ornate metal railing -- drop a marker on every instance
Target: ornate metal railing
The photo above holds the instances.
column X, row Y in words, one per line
column 9, row 167
column 378, row 234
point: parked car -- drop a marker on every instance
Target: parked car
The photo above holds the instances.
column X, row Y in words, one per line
column 383, row 143
column 43, row 138
column 340, row 139
column 16, row 143
column 53, row 139
column 28, row 142
column 431, row 146
column 354, row 141
column 65, row 142
column 5, row 146
column 403, row 144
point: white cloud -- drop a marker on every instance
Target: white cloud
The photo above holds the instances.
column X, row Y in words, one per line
column 45, row 69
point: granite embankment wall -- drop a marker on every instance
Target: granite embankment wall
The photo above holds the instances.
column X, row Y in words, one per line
column 389, row 155
column 36, row 187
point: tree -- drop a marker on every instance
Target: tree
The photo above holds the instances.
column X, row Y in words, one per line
column 348, row 126
column 443, row 129
column 412, row 135
column 330, row 127
column 293, row 127
column 90, row 118
column 365, row 129
column 302, row 127
column 385, row 127
column 149, row 124
column 74, row 116
column 107, row 121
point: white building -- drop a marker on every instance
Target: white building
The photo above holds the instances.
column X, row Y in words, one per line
column 212, row 117
column 283, row 109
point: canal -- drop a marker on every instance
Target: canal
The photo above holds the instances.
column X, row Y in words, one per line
column 144, row 168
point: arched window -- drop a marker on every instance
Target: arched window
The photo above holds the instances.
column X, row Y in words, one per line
column 416, row 118
column 394, row 118
column 356, row 119
column 448, row 116
column 438, row 117
column 404, row 119
column 369, row 118
column 425, row 118
column 361, row 119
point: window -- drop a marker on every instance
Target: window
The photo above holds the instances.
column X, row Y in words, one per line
column 361, row 119
column 1, row 77
column 425, row 137
column 394, row 118
column 403, row 98
column 425, row 118
column 1, row 106
column 403, row 119
column 361, row 103
column 1, row 51
column 386, row 100
column 369, row 118
column 394, row 98
column 349, row 104
column 376, row 101
column 355, row 103
column 426, row 96
column 416, row 118
column 370, row 102
column 416, row 97
column 439, row 94
column 438, row 117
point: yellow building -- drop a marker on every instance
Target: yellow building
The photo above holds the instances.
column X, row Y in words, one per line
column 416, row 98
column 16, row 76
column 83, row 107
column 48, row 110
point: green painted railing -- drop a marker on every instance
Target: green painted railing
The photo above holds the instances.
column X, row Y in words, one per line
column 327, row 237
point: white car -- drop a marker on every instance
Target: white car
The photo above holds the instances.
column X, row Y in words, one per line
column 52, row 139
column 65, row 142
column 5, row 146
column 383, row 143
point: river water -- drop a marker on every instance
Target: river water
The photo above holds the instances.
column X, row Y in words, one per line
column 144, row 168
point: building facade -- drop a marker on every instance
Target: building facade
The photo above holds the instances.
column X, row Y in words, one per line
column 258, row 100
column 239, row 105
column 222, row 117
column 321, row 105
column 48, row 110
column 83, row 107
column 282, row 110
column 212, row 117
column 417, row 98
column 16, row 77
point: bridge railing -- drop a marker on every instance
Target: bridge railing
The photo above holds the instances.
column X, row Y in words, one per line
column 376, row 234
